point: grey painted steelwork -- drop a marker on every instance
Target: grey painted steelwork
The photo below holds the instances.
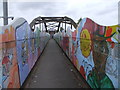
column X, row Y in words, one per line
column 54, row 20
column 5, row 12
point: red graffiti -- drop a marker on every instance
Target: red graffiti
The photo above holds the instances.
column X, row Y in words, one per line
column 82, row 71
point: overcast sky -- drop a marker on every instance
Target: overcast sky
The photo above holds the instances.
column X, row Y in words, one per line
column 103, row 12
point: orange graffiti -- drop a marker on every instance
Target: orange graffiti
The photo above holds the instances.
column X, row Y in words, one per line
column 13, row 81
column 8, row 35
column 109, row 32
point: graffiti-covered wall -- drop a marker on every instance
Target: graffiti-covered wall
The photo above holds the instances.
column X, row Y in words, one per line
column 94, row 50
column 9, row 68
column 19, row 50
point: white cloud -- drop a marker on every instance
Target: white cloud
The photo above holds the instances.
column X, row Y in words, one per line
column 104, row 12
column 37, row 0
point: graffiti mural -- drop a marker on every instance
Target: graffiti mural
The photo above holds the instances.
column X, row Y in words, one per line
column 22, row 51
column 73, row 48
column 9, row 66
column 9, row 62
column 0, row 65
column 95, row 53
column 19, row 50
column 37, row 40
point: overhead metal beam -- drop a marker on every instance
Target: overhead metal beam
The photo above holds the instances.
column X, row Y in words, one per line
column 47, row 20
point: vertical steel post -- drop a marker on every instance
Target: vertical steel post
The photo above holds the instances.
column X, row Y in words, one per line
column 40, row 27
column 5, row 12
column 71, row 26
column 65, row 26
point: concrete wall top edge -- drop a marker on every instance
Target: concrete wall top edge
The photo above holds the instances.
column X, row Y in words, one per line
column 17, row 22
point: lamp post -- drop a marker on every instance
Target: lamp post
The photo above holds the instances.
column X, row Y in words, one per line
column 5, row 12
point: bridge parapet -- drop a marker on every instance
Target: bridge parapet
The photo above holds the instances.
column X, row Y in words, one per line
column 20, row 48
column 95, row 51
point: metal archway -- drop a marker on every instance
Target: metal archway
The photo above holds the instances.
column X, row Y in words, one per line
column 50, row 22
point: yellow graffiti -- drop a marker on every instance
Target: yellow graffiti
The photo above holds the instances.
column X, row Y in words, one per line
column 85, row 43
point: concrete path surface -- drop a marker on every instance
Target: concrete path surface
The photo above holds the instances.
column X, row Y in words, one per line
column 52, row 70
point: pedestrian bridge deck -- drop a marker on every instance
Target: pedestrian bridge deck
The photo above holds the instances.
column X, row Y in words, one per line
column 53, row 70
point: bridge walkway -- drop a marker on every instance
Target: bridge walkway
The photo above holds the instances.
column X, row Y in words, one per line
column 53, row 70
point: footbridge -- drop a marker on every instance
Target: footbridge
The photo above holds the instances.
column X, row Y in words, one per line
column 55, row 52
